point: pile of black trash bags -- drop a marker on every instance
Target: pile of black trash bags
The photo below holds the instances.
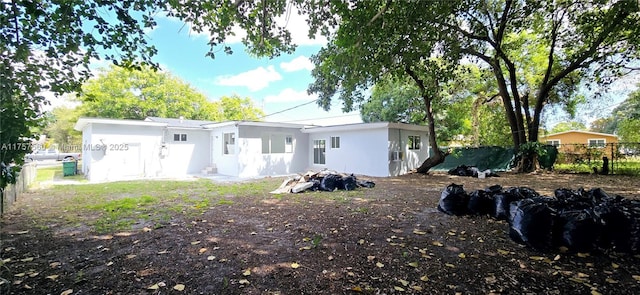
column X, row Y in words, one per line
column 332, row 182
column 471, row 171
column 578, row 220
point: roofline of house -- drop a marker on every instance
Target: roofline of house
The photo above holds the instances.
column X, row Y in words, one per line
column 84, row 121
column 364, row 126
column 252, row 123
column 580, row 131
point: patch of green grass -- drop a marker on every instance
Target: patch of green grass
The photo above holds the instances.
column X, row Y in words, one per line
column 46, row 173
column 116, row 206
column 224, row 202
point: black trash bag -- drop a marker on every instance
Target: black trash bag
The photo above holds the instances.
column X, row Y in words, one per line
column 481, row 202
column 366, row 183
column 453, row 200
column 316, row 184
column 616, row 227
column 578, row 230
column 331, row 182
column 502, row 202
column 494, row 189
column 531, row 224
column 464, row 170
column 571, row 200
column 523, row 192
column 349, row 183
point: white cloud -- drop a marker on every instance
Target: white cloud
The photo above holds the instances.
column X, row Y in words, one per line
column 255, row 79
column 290, row 95
column 297, row 64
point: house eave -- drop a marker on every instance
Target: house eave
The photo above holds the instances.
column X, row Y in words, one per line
column 84, row 121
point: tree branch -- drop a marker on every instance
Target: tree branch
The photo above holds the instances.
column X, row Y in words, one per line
column 384, row 9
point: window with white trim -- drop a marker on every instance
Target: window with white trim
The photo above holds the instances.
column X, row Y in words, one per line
column 553, row 142
column 277, row 143
column 335, row 142
column 229, row 143
column 179, row 137
column 414, row 142
column 597, row 142
column 319, row 146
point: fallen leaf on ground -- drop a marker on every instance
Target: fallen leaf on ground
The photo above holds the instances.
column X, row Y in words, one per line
column 419, row 232
column 153, row 287
column 131, row 256
column 503, row 252
column 179, row 287
column 398, row 288
column 195, row 242
column 202, row 250
column 437, row 243
column 378, row 264
column 404, row 283
column 424, row 278
column 295, row 265
column 211, row 258
column 246, row 272
column 413, row 264
column 67, row 292
column 244, row 282
column 52, row 277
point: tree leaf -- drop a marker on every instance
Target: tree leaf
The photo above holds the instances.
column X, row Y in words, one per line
column 413, row 264
column 380, row 265
column 67, row 292
column 295, row 265
column 179, row 287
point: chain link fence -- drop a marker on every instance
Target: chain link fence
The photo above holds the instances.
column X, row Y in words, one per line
column 621, row 158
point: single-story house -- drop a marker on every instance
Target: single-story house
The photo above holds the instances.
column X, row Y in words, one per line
column 591, row 139
column 115, row 149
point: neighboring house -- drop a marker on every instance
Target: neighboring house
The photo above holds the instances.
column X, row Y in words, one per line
column 570, row 140
column 160, row 147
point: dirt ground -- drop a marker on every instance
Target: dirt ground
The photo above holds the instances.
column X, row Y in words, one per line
column 390, row 239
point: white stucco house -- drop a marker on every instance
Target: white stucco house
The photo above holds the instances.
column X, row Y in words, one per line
column 114, row 149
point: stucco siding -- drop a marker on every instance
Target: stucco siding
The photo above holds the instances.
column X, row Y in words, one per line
column 264, row 151
column 117, row 152
column 188, row 156
column 580, row 138
column 361, row 152
column 409, row 158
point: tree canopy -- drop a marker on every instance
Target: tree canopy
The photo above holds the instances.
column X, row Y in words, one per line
column 122, row 93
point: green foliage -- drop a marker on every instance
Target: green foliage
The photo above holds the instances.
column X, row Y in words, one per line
column 47, row 46
column 237, row 108
column 60, row 128
column 566, row 126
column 122, row 93
column 628, row 130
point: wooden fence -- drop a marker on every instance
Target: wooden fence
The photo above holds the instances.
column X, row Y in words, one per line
column 26, row 176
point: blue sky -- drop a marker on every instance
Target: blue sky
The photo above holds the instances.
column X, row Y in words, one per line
column 279, row 84
column 274, row 84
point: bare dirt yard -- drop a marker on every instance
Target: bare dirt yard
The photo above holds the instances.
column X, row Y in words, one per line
column 390, row 239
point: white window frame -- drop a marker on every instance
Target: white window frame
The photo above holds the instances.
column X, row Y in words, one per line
column 596, row 145
column 228, row 143
column 414, row 142
column 267, row 143
column 181, row 137
column 335, row 142
column 319, row 151
column 553, row 142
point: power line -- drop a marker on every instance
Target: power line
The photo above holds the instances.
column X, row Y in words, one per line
column 291, row 108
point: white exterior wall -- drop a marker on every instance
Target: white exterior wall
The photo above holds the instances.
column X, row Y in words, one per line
column 252, row 162
column 227, row 164
column 86, row 156
column 185, row 157
column 411, row 159
column 361, row 152
column 131, row 151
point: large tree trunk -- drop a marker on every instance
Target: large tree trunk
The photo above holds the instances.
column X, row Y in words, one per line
column 437, row 156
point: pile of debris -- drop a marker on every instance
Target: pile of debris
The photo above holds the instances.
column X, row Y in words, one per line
column 576, row 220
column 324, row 180
column 471, row 171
